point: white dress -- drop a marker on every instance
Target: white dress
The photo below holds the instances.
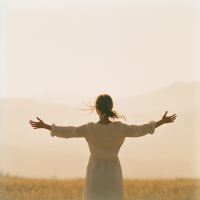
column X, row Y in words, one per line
column 104, row 180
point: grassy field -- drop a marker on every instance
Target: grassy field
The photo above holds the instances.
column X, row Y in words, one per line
column 42, row 189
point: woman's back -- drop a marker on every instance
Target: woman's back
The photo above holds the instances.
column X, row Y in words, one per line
column 104, row 141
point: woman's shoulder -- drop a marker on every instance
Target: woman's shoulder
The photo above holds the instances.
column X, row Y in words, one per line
column 111, row 124
column 98, row 124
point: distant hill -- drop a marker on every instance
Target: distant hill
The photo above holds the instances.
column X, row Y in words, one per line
column 59, row 98
column 177, row 97
column 172, row 145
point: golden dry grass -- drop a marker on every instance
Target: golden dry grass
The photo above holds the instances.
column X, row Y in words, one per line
column 42, row 189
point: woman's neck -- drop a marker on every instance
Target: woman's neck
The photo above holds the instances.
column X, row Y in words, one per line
column 104, row 121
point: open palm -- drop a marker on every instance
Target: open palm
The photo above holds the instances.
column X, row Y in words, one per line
column 36, row 125
column 169, row 119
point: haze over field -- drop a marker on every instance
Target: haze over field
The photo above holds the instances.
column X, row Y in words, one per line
column 171, row 152
column 144, row 54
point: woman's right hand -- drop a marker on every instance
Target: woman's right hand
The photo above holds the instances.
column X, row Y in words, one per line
column 36, row 125
column 169, row 119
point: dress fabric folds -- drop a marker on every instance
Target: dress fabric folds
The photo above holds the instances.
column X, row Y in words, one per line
column 104, row 179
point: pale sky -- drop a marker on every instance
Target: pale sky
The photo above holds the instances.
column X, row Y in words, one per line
column 88, row 48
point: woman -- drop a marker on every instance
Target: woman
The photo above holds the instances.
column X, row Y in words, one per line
column 104, row 179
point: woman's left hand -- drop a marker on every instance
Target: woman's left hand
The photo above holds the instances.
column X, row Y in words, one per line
column 169, row 119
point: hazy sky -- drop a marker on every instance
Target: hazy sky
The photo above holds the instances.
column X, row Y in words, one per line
column 88, row 48
column 123, row 48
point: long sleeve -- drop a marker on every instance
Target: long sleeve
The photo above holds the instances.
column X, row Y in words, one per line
column 68, row 131
column 138, row 130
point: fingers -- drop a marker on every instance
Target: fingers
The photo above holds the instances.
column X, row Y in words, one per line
column 34, row 127
column 169, row 119
column 172, row 118
column 33, row 124
column 38, row 118
column 165, row 113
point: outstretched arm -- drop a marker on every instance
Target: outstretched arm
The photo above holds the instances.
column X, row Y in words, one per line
column 40, row 124
column 61, row 131
column 141, row 130
column 166, row 119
